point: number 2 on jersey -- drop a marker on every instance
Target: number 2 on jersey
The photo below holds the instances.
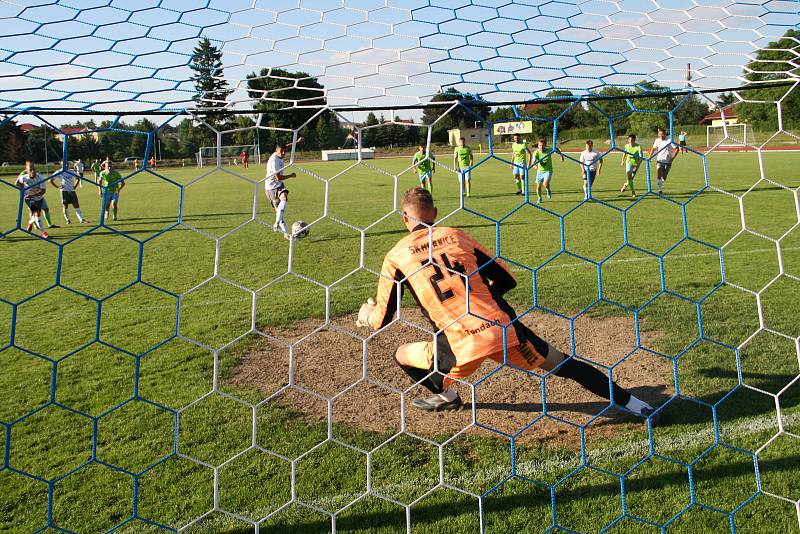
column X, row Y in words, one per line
column 439, row 275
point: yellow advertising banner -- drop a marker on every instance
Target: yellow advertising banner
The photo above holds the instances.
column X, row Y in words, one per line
column 508, row 128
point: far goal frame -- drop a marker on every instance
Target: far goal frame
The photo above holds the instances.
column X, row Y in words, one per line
column 207, row 155
column 725, row 135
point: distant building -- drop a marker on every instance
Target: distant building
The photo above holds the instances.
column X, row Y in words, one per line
column 473, row 136
column 74, row 134
column 352, row 127
column 531, row 107
column 27, row 127
column 715, row 117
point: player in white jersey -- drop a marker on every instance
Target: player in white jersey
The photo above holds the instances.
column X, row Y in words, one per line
column 68, row 194
column 666, row 151
column 591, row 166
column 276, row 190
column 34, row 186
column 79, row 169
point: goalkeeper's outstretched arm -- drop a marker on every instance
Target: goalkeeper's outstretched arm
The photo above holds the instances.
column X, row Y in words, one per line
column 379, row 312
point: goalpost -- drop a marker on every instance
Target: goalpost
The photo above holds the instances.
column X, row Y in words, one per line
column 230, row 155
column 727, row 135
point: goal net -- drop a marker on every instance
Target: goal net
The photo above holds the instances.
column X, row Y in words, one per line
column 600, row 330
column 228, row 155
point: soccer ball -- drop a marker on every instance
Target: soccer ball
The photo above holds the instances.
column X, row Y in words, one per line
column 300, row 229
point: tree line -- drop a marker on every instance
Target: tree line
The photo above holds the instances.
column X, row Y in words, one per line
column 324, row 130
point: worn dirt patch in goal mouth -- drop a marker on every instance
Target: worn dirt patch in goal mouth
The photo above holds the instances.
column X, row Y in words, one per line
column 365, row 383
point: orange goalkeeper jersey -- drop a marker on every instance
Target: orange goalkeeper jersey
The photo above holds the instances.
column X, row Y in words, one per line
column 441, row 269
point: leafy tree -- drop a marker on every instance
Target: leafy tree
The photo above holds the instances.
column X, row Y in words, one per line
column 138, row 142
column 325, row 133
column 40, row 145
column 12, row 139
column 691, row 111
column 14, row 148
column 652, row 112
column 170, row 147
column 382, row 133
column 211, row 87
column 570, row 115
column 246, row 134
column 772, row 64
column 615, row 108
column 85, row 147
column 370, row 136
column 275, row 89
column 726, row 99
column 502, row 114
column 191, row 138
column 474, row 110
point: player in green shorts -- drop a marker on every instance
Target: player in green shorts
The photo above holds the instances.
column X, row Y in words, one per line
column 632, row 157
column 462, row 162
column 112, row 183
column 521, row 161
column 543, row 161
column 425, row 164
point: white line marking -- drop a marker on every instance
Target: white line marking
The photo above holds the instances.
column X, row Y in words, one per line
column 555, row 465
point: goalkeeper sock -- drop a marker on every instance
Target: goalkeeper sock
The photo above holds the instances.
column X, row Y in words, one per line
column 47, row 218
column 637, row 405
column 630, row 185
column 433, row 383
column 593, row 380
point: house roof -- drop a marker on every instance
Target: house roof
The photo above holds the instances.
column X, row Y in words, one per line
column 533, row 106
column 730, row 113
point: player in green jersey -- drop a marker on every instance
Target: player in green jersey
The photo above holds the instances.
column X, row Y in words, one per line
column 543, row 161
column 112, row 183
column 96, row 168
column 632, row 157
column 521, row 161
column 425, row 164
column 462, row 162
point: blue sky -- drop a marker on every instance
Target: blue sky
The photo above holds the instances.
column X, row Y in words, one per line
column 103, row 55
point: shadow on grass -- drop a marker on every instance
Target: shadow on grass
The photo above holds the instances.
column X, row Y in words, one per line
column 657, row 394
column 451, row 509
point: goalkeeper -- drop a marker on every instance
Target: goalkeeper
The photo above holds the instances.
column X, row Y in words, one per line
column 433, row 263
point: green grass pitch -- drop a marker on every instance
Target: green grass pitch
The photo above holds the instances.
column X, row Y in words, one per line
column 55, row 441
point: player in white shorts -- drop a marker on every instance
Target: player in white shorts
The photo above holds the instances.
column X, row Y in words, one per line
column 666, row 151
column 275, row 189
column 68, row 194
column 34, row 186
